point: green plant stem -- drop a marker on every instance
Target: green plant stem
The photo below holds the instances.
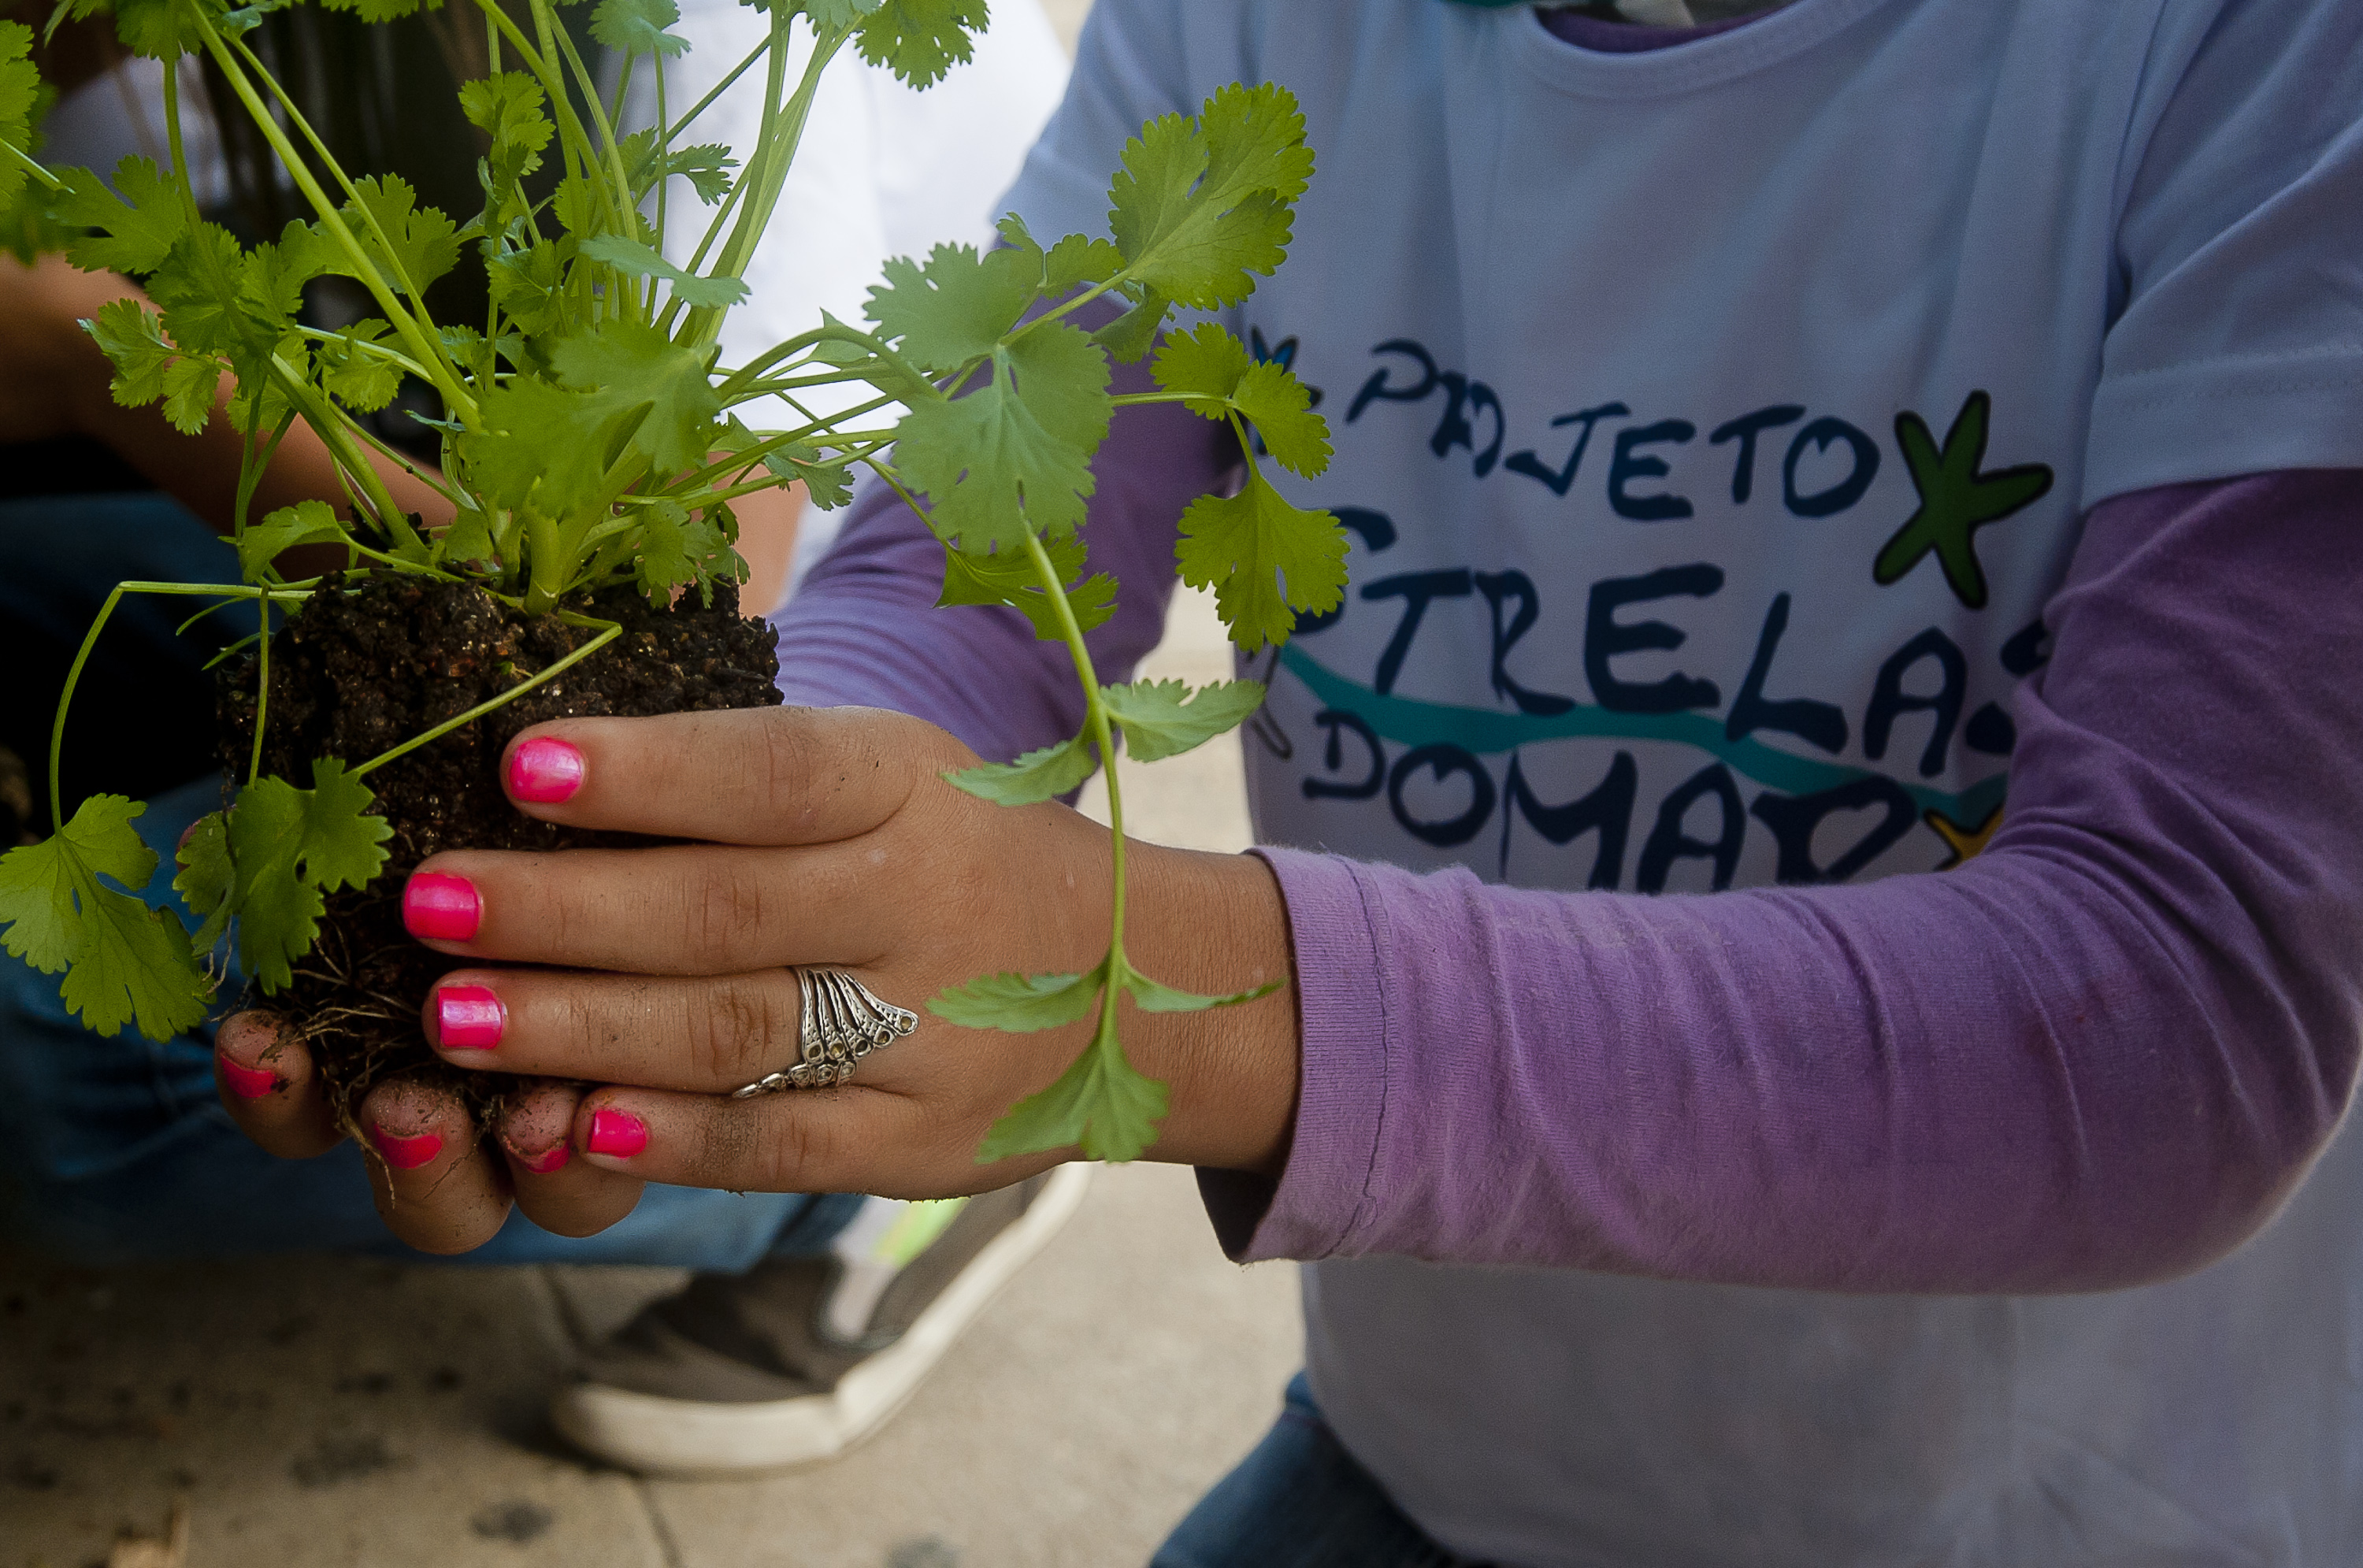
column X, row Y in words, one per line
column 774, row 83
column 621, row 196
column 665, row 136
column 504, row 699
column 1102, row 735
column 90, row 641
column 33, row 166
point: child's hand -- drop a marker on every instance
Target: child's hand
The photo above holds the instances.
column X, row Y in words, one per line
column 828, row 838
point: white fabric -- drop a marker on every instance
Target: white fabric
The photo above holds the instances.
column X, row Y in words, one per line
column 883, row 170
column 119, row 113
column 2132, row 228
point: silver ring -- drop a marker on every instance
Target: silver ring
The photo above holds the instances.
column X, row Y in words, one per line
column 842, row 1020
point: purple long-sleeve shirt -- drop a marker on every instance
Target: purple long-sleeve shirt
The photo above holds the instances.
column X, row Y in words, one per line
column 2101, row 1053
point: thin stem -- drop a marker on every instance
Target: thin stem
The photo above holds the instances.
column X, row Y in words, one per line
column 90, row 640
column 664, row 138
column 496, row 703
column 34, row 167
column 261, row 686
column 664, row 134
column 621, row 196
column 1102, row 732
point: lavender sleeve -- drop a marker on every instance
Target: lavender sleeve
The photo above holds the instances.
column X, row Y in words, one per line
column 2099, row 1054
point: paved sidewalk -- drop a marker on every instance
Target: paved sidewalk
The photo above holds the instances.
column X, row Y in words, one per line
column 323, row 1414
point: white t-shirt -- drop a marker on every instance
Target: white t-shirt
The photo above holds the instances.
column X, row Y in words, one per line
column 1713, row 424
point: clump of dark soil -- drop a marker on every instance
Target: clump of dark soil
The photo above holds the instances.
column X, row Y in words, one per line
column 359, row 671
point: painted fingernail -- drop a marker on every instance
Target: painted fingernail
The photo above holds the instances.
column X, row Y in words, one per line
column 468, row 1018
column 406, row 1154
column 247, row 1083
column 544, row 770
column 618, row 1133
column 440, row 907
column 549, row 1160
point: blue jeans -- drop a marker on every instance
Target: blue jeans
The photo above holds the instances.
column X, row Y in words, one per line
column 1300, row 1501
column 118, row 1151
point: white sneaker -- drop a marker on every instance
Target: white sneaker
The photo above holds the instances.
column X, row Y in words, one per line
column 798, row 1358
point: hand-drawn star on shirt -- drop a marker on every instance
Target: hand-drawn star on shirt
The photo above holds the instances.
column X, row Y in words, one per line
column 1956, row 499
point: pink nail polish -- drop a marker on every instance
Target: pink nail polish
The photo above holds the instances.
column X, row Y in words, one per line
column 406, row 1154
column 468, row 1018
column 439, row 907
column 544, row 770
column 550, row 1159
column 618, row 1133
column 247, row 1083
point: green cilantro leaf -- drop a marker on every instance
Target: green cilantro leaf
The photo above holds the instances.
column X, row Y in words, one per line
column 920, row 40
column 1220, row 377
column 529, row 285
column 1021, row 1004
column 423, row 243
column 1131, row 336
column 1102, row 1103
column 957, row 308
column 132, row 337
column 1152, row 996
column 707, row 167
column 1265, row 559
column 1034, row 778
column 1075, row 261
column 1008, row 579
column 1162, row 719
column 468, row 538
column 124, row 962
column 291, row 847
column 637, row 27
column 829, row 484
column 1014, row 453
column 137, row 228
column 305, row 522
column 20, row 86
column 207, row 876
column 632, row 366
column 192, row 388
column 1201, row 203
column 544, row 448
column 379, row 10
column 675, row 549
column 361, row 381
column 510, row 108
column 632, row 258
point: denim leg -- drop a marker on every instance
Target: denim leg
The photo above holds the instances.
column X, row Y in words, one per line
column 1300, row 1501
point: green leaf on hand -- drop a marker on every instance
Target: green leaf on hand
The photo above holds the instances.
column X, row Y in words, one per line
column 1153, row 996
column 1021, row 1004
column 1201, row 204
column 137, row 228
column 1014, row 454
column 124, row 962
column 1218, row 377
column 920, row 40
column 1009, row 578
column 1102, row 1104
column 289, row 847
column 1034, row 778
column 632, row 258
column 305, row 522
column 637, row 27
column 1162, row 719
column 1265, row 558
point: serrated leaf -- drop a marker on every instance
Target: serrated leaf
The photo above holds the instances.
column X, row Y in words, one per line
column 305, row 522
column 1218, row 377
column 1034, row 778
column 1014, row 453
column 208, row 878
column 1009, row 579
column 1102, row 1104
column 707, row 167
column 379, row 10
column 632, row 258
column 20, row 86
column 1132, row 335
column 1201, row 204
column 920, row 40
column 511, row 109
column 289, row 847
column 421, row 243
column 956, row 308
column 202, row 288
column 137, row 228
column 191, row 389
column 634, row 366
column 529, row 285
column 124, row 962
column 827, row 483
column 673, row 549
column 360, row 380
column 1163, row 718
column 1154, row 996
column 637, row 27
column 469, row 537
column 132, row 337
column 1021, row 1004
column 1266, row 559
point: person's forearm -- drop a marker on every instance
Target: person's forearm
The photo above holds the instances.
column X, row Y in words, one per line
column 2101, row 1053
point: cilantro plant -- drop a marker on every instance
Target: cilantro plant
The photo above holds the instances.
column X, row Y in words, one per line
column 590, row 437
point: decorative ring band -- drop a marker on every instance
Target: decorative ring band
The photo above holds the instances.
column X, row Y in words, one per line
column 842, row 1021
